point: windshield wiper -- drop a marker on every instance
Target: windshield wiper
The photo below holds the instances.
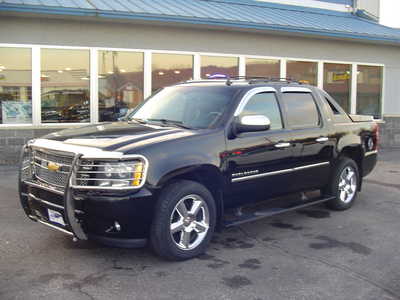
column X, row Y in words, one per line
column 171, row 122
column 137, row 120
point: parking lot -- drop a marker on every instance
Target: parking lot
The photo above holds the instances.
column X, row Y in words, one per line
column 309, row 254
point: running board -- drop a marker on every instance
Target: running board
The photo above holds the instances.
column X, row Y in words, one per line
column 253, row 216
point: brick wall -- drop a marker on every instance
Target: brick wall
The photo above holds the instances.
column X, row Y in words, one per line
column 390, row 132
column 11, row 141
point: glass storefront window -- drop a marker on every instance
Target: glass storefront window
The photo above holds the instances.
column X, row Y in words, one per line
column 211, row 65
column 304, row 71
column 168, row 69
column 120, row 83
column 256, row 67
column 15, row 85
column 369, row 90
column 65, row 87
column 337, row 83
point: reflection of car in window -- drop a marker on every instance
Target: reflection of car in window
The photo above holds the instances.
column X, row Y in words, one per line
column 66, row 106
column 113, row 112
column 192, row 158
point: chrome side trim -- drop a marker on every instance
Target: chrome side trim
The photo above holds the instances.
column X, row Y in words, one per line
column 311, row 166
column 371, row 153
column 250, row 94
column 55, row 227
column 294, row 89
column 262, row 175
column 284, row 171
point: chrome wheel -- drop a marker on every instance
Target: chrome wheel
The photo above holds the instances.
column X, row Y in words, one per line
column 189, row 222
column 347, row 184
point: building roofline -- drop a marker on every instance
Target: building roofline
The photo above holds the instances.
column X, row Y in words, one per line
column 40, row 10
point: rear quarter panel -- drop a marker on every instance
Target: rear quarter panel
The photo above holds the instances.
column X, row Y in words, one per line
column 356, row 135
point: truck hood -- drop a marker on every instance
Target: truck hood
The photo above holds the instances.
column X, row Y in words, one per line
column 112, row 136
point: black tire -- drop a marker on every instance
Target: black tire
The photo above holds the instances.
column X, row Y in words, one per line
column 162, row 240
column 342, row 165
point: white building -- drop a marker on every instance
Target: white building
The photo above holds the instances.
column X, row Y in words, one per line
column 90, row 61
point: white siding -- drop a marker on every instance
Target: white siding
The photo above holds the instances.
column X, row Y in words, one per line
column 194, row 40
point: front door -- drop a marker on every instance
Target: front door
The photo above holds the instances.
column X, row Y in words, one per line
column 259, row 163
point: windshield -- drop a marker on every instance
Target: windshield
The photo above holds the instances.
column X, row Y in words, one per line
column 188, row 106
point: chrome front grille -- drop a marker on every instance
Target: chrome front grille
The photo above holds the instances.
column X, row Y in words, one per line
column 63, row 160
column 51, row 168
column 48, row 164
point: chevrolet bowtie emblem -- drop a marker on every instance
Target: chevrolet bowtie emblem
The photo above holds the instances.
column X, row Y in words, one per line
column 53, row 166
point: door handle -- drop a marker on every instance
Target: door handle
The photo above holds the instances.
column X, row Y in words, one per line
column 322, row 139
column 282, row 145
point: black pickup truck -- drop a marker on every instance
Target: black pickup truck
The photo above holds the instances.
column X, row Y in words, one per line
column 194, row 158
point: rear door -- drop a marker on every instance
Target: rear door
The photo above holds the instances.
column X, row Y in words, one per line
column 313, row 147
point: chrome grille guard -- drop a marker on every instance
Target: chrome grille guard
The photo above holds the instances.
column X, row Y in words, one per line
column 68, row 202
column 78, row 152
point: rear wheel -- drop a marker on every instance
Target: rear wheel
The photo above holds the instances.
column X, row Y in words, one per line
column 344, row 184
column 184, row 221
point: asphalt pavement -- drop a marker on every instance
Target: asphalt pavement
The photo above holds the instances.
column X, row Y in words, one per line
column 310, row 254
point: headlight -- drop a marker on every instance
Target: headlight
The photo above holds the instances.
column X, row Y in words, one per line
column 111, row 174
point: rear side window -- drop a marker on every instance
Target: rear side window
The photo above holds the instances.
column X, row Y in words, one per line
column 335, row 111
column 265, row 104
column 302, row 112
column 333, row 108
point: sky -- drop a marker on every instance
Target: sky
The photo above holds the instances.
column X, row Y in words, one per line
column 390, row 13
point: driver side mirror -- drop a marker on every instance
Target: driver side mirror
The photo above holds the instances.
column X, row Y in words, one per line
column 251, row 123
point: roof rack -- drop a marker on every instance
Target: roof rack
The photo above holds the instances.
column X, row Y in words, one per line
column 251, row 80
column 273, row 79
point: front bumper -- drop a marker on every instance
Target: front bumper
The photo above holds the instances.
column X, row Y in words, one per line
column 90, row 214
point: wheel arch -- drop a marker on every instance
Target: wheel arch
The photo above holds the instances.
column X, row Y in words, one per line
column 356, row 153
column 208, row 175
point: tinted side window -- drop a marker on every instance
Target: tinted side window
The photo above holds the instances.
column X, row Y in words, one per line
column 265, row 104
column 301, row 109
column 333, row 108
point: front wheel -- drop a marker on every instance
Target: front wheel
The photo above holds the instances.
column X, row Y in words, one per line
column 184, row 221
column 344, row 184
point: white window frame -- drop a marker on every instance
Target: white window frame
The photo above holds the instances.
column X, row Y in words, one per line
column 240, row 60
column 245, row 57
column 147, row 65
column 307, row 61
column 355, row 83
